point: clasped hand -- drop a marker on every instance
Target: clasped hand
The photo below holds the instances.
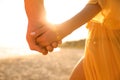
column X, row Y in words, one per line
column 42, row 38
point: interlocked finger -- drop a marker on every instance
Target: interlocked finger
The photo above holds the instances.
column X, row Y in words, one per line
column 38, row 32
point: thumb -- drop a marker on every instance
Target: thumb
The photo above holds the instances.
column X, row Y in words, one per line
column 33, row 46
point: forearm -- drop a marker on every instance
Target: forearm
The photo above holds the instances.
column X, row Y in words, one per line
column 79, row 19
column 35, row 11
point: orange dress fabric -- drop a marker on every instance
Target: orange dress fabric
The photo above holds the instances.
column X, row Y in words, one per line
column 102, row 51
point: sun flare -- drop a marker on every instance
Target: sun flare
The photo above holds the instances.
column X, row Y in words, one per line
column 13, row 19
column 60, row 10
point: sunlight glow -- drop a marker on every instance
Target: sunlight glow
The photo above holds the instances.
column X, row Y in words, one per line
column 60, row 10
column 13, row 20
column 13, row 23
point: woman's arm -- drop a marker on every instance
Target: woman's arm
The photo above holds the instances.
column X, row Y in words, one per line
column 88, row 12
column 64, row 29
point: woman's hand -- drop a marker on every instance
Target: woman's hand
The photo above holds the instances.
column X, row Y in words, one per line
column 50, row 39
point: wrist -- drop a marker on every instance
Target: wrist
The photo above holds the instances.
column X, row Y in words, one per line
column 58, row 33
column 61, row 31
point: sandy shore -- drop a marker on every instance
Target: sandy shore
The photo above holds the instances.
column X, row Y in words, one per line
column 54, row 66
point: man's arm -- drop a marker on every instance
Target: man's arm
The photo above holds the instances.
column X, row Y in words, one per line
column 37, row 25
column 35, row 11
column 36, row 18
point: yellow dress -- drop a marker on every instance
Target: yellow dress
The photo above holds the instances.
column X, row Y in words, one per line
column 102, row 51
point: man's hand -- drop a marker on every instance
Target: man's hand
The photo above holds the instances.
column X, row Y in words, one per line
column 33, row 32
column 36, row 15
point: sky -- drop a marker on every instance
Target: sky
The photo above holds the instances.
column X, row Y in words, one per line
column 13, row 23
column 13, row 20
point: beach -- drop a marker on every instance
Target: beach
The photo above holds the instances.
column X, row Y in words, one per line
column 57, row 65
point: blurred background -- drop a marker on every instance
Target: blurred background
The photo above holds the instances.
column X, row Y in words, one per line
column 18, row 62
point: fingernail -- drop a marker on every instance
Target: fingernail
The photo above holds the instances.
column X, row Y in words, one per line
column 32, row 33
column 44, row 52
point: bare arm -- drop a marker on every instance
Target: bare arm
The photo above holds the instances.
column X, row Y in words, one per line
column 35, row 11
column 79, row 19
column 36, row 17
column 70, row 25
